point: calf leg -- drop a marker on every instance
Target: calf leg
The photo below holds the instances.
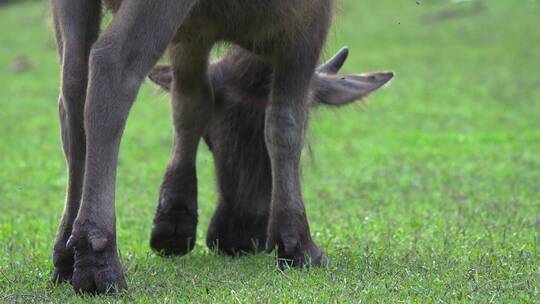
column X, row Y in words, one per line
column 119, row 61
column 76, row 25
column 286, row 119
column 175, row 221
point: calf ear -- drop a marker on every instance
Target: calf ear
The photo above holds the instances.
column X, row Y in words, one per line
column 338, row 90
column 162, row 75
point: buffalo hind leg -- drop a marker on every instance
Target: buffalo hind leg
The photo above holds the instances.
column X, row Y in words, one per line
column 76, row 25
column 119, row 61
column 175, row 221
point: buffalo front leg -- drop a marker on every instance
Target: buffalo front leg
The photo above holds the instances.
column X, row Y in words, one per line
column 286, row 119
column 119, row 61
column 175, row 221
column 76, row 25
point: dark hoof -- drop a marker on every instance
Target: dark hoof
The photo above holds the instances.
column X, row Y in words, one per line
column 97, row 272
column 173, row 233
column 97, row 267
column 63, row 266
column 292, row 238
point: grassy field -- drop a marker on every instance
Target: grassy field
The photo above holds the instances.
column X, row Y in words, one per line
column 430, row 192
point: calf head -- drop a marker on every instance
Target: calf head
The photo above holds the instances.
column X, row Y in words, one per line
column 241, row 84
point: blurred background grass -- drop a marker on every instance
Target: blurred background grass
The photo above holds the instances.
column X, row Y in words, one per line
column 429, row 192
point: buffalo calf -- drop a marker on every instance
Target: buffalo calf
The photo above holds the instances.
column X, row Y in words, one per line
column 235, row 136
column 101, row 76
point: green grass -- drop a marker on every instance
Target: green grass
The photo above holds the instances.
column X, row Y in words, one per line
column 431, row 193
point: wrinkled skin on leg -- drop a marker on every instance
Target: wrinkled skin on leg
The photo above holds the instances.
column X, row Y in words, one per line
column 80, row 24
column 118, row 62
